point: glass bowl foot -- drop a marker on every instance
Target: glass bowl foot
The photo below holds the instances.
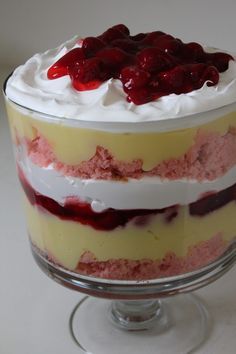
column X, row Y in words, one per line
column 179, row 324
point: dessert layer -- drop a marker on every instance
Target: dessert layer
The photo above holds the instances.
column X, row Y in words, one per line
column 77, row 210
column 146, row 193
column 195, row 152
column 29, row 83
column 210, row 156
column 197, row 257
column 66, row 241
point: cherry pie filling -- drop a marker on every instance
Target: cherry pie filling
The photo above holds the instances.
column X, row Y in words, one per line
column 149, row 65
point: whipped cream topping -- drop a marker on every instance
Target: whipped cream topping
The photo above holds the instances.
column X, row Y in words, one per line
column 30, row 87
column 146, row 193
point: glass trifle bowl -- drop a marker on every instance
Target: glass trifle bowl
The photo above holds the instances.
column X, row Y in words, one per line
column 134, row 210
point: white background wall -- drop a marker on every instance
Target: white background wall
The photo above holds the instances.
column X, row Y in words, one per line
column 29, row 26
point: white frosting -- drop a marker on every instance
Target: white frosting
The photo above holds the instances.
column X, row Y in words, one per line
column 29, row 86
column 147, row 193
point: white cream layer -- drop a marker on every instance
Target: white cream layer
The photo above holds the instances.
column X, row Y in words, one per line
column 30, row 87
column 146, row 193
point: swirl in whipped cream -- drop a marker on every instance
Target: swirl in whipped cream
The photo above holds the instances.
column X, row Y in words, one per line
column 29, row 86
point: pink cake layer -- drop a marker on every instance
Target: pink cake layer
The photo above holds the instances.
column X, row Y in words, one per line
column 209, row 157
column 197, row 257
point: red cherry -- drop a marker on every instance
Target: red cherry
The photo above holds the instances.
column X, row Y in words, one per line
column 111, row 34
column 91, row 85
column 153, row 36
column 193, row 51
column 172, row 80
column 170, row 46
column 125, row 44
column 122, row 28
column 91, row 45
column 154, row 60
column 147, row 58
column 140, row 96
column 114, row 57
column 219, row 60
column 194, row 72
column 162, row 37
column 60, row 68
column 133, row 77
column 154, row 83
column 139, row 37
column 87, row 74
column 210, row 75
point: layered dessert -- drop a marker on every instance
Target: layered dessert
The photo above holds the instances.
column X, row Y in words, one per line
column 126, row 152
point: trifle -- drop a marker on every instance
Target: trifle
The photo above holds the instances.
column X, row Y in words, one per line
column 126, row 152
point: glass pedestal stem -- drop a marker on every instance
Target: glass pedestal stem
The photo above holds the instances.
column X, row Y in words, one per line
column 138, row 315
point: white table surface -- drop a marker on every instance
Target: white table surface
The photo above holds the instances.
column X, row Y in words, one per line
column 34, row 310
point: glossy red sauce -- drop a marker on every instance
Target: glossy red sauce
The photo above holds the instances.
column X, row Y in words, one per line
column 149, row 65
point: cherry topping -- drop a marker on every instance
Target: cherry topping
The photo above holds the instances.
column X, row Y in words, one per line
column 132, row 77
column 169, row 45
column 91, row 45
column 111, row 34
column 152, row 37
column 139, row 37
column 193, row 51
column 60, row 68
column 140, row 95
column 173, row 80
column 122, row 28
column 126, row 44
column 219, row 60
column 153, row 59
column 186, row 78
column 194, row 72
column 149, row 65
column 87, row 74
column 210, row 76
column 114, row 57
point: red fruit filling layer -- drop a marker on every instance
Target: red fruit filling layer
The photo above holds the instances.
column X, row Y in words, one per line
column 79, row 211
column 149, row 65
column 210, row 156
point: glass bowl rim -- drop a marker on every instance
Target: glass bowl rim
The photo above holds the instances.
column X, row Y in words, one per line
column 141, row 126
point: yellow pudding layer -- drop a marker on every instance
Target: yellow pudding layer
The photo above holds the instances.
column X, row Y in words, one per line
column 72, row 145
column 66, row 241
